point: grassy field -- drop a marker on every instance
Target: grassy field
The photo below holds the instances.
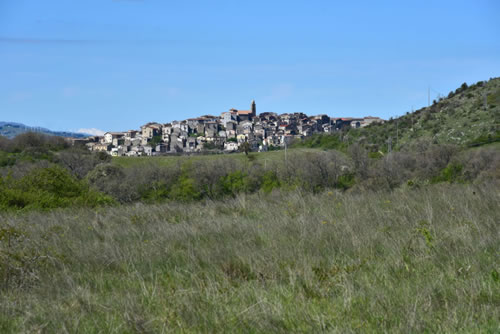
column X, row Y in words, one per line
column 410, row 260
column 262, row 157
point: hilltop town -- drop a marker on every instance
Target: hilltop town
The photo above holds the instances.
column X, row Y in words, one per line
column 226, row 132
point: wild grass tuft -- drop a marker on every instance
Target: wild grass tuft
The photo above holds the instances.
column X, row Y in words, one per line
column 411, row 260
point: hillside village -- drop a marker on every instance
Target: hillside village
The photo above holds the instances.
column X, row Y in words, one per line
column 226, row 132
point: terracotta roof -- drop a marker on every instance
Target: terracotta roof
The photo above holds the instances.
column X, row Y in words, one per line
column 244, row 112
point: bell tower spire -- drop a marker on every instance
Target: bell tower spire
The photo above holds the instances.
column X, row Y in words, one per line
column 253, row 108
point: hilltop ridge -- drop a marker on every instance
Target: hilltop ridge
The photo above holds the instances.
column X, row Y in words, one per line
column 468, row 116
column 231, row 131
column 12, row 129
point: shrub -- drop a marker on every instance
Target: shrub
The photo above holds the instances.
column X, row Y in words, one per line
column 452, row 173
column 80, row 161
column 47, row 188
column 155, row 141
column 273, row 148
column 37, row 140
column 270, row 181
column 315, row 171
column 480, row 162
column 360, row 160
column 345, row 181
column 113, row 181
column 234, row 183
column 7, row 159
column 184, row 190
column 156, row 192
column 375, row 155
column 208, row 173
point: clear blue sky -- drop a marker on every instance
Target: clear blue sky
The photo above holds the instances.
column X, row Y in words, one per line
column 117, row 64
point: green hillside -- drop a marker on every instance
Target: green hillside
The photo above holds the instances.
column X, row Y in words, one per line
column 468, row 116
column 463, row 118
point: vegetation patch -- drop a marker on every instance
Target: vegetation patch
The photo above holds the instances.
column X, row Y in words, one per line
column 48, row 188
column 412, row 259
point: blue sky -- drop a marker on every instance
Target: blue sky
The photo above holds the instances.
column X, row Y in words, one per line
column 117, row 64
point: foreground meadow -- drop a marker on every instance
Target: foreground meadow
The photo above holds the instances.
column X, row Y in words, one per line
column 408, row 260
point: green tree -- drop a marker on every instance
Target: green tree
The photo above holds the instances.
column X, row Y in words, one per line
column 245, row 147
column 155, row 141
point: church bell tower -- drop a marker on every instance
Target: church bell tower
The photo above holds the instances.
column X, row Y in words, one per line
column 253, row 108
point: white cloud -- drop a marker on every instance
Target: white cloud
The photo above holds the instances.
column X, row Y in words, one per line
column 92, row 131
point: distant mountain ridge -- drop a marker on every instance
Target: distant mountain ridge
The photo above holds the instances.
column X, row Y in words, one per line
column 12, row 129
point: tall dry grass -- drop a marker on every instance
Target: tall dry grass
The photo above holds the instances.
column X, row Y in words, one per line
column 410, row 260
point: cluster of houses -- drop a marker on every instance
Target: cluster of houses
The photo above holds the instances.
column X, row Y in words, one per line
column 226, row 132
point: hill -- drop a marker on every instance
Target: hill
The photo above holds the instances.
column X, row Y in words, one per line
column 468, row 116
column 12, row 129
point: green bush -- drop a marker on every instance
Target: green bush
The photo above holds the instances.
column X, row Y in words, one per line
column 375, row 155
column 184, row 190
column 155, row 192
column 209, row 146
column 234, row 183
column 7, row 159
column 155, row 141
column 345, row 181
column 452, row 173
column 270, row 181
column 48, row 188
column 273, row 148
